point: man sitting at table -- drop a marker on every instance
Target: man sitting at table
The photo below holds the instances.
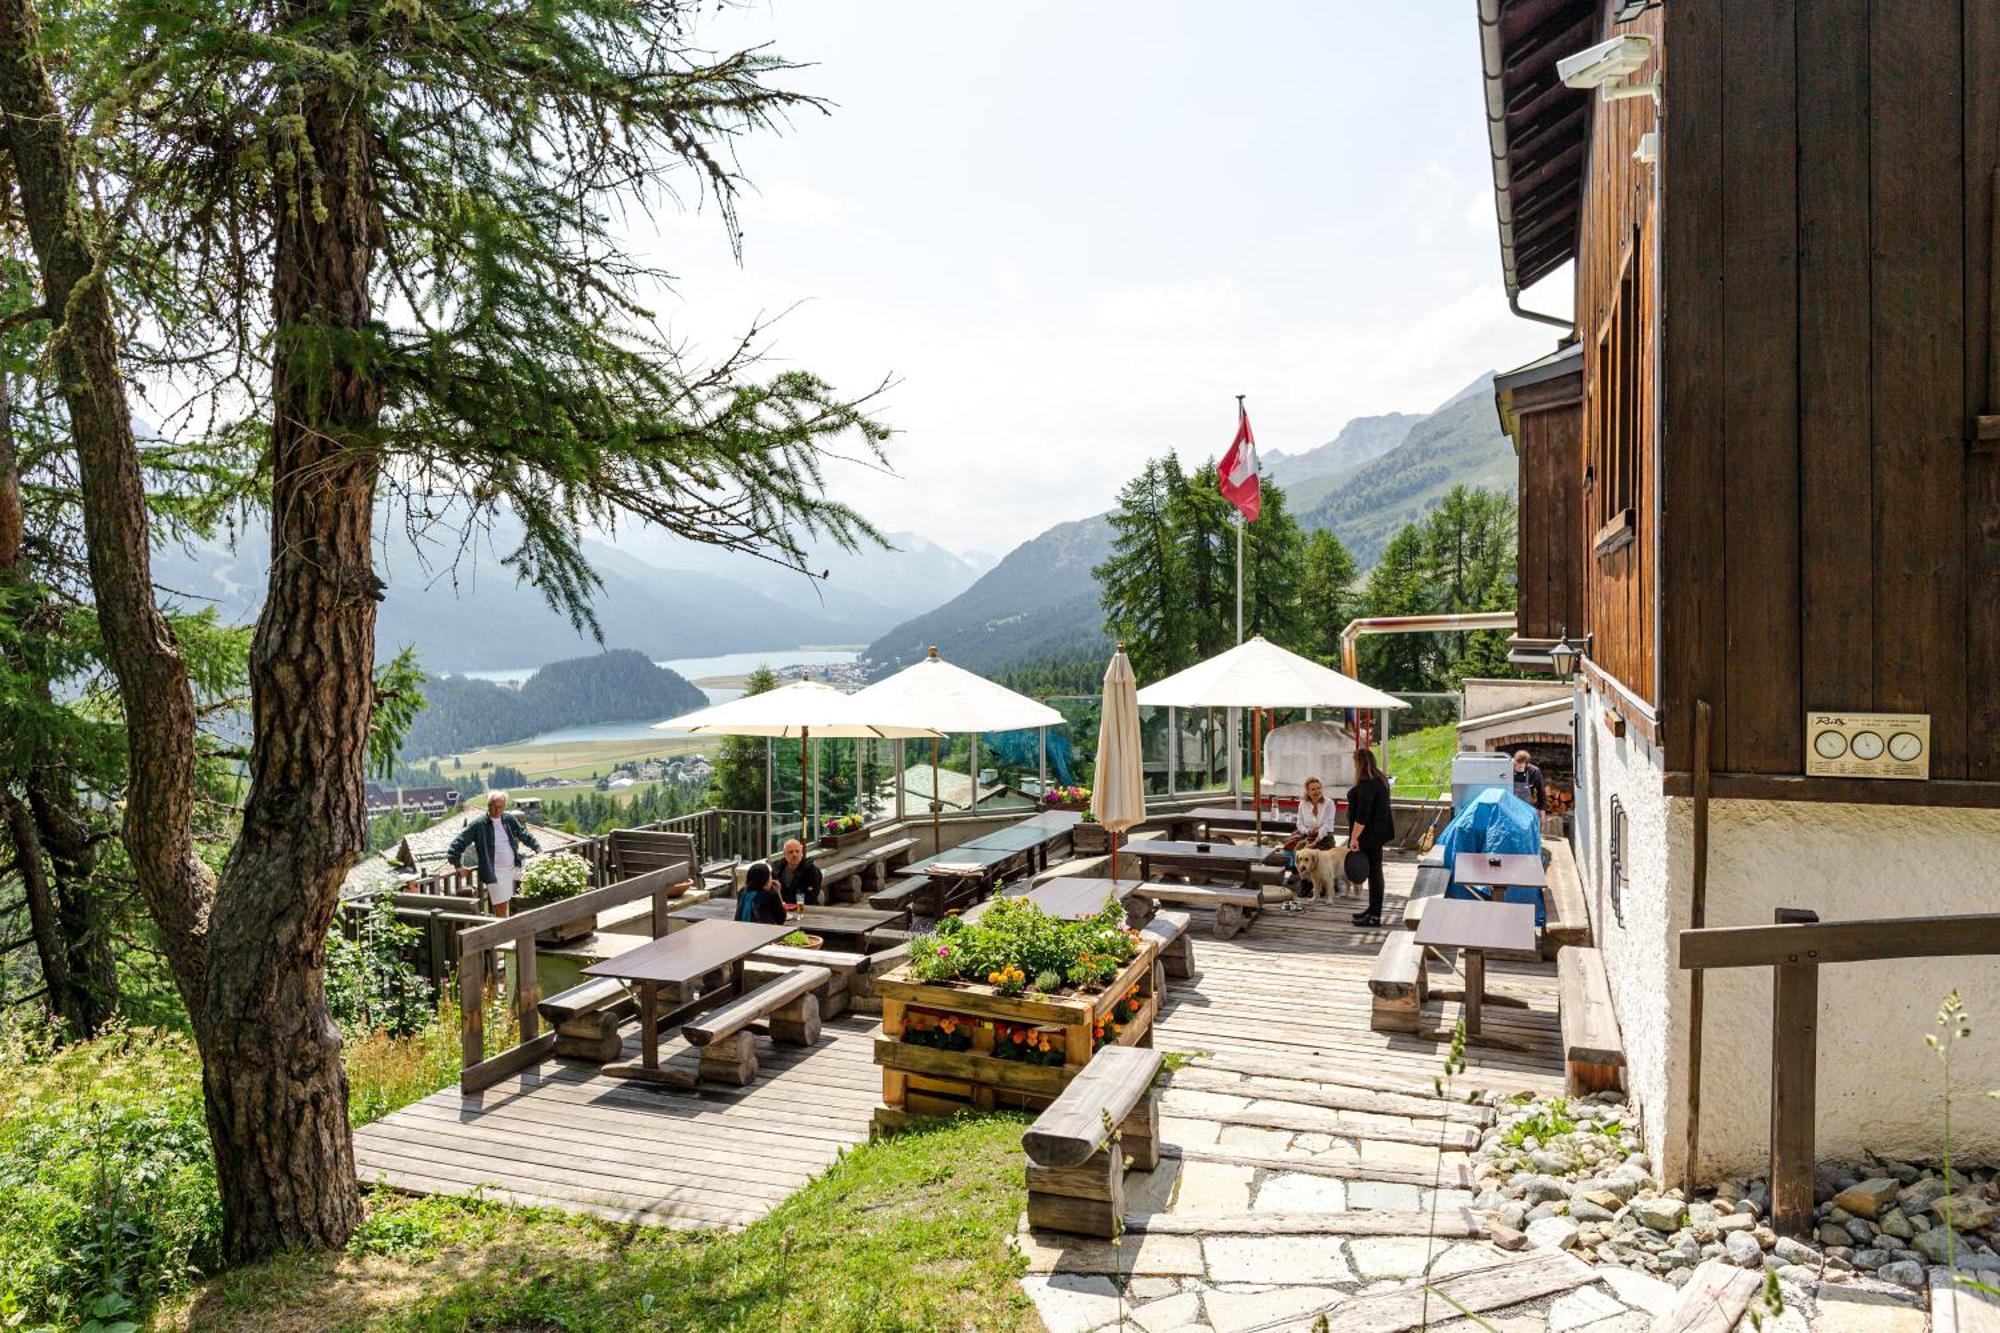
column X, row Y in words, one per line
column 794, row 874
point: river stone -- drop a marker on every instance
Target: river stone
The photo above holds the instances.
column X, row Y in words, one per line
column 1967, row 1213
column 1743, row 1250
column 1618, row 1186
column 1914, row 1199
column 1937, row 1244
column 1587, row 1210
column 1659, row 1212
column 1869, row 1197
column 1541, row 1189
column 1549, row 1163
column 1735, row 1222
column 1904, row 1273
column 1552, row 1233
column 1794, row 1251
column 1862, row 1231
column 1893, row 1223
column 1553, row 1208
column 1873, row 1259
column 1830, row 1234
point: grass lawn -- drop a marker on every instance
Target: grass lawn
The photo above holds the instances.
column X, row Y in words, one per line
column 908, row 1234
column 572, row 760
column 1420, row 761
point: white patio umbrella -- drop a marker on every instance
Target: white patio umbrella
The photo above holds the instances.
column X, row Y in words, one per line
column 1118, row 793
column 1257, row 674
column 801, row 710
column 935, row 695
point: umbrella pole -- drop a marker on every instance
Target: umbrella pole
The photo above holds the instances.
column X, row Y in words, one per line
column 1257, row 774
column 937, row 839
column 805, row 783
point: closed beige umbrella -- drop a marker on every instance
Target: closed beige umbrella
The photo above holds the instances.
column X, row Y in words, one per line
column 1118, row 796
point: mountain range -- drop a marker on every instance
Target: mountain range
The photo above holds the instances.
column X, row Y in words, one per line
column 1377, row 474
column 466, row 611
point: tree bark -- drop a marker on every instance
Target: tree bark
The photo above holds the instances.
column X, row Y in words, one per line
column 276, row 1090
column 152, row 678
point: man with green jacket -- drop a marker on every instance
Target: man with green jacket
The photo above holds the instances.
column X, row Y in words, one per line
column 496, row 841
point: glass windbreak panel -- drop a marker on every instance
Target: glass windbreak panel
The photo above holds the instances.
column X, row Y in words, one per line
column 876, row 779
column 1202, row 753
column 1153, row 748
column 953, row 777
column 1421, row 741
column 786, row 787
column 1009, row 769
column 1078, row 743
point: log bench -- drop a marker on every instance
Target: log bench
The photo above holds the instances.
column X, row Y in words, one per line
column 1431, row 882
column 1076, row 1169
column 1593, row 1049
column 729, row 1048
column 883, row 861
column 1169, row 930
column 861, row 996
column 1398, row 985
column 1235, row 905
column 841, row 968
column 836, row 875
column 586, row 1018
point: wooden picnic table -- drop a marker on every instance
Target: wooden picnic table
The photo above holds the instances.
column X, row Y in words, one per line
column 1083, row 896
column 844, row 927
column 1477, row 928
column 679, row 965
column 1228, row 819
column 1223, row 859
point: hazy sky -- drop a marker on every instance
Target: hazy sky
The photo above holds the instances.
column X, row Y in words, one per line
column 1072, row 232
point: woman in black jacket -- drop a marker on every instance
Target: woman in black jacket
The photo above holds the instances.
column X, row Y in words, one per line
column 759, row 900
column 1371, row 826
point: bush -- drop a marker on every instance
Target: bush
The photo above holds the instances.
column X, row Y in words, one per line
column 107, row 1189
column 370, row 982
column 561, row 875
column 1016, row 935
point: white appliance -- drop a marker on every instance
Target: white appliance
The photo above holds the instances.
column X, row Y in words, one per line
column 1473, row 773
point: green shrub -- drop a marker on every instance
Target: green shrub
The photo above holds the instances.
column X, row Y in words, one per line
column 1015, row 933
column 107, row 1188
column 370, row 983
column 559, row 875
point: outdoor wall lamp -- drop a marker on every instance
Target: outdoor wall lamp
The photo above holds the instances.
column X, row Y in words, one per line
column 1565, row 655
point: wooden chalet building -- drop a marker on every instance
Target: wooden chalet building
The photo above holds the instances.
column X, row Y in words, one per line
column 1761, row 472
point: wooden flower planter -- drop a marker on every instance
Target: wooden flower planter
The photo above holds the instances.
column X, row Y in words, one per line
column 1090, row 839
column 847, row 839
column 920, row 1081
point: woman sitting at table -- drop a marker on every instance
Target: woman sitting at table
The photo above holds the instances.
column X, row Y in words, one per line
column 759, row 901
column 1315, row 828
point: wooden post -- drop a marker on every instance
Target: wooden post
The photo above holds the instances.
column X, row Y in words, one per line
column 1794, row 1075
column 527, row 987
column 472, row 1007
column 1704, row 720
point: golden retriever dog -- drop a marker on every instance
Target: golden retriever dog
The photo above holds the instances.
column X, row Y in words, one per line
column 1320, row 870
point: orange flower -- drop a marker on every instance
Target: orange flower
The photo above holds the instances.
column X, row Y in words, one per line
column 1019, row 1037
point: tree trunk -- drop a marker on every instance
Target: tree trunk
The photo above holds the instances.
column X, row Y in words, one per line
column 276, row 1090
column 152, row 678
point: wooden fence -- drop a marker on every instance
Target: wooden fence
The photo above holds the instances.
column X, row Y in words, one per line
column 1795, row 948
column 475, row 942
column 719, row 835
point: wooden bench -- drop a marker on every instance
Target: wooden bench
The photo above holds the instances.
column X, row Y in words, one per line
column 586, row 1018
column 1398, row 985
column 1235, row 904
column 729, row 1048
column 1431, row 883
column 884, row 860
column 1169, row 930
column 837, row 994
column 633, row 852
column 905, row 895
column 861, row 996
column 835, row 874
column 1593, row 1049
column 1568, row 914
column 1076, row 1171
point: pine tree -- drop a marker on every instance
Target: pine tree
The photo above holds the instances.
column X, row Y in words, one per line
column 1273, row 572
column 1143, row 597
column 737, row 782
column 1331, row 596
column 1205, row 535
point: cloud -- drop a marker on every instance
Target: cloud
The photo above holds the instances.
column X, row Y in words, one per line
column 792, row 204
column 1181, row 305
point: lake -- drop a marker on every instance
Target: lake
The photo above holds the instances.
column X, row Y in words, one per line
column 694, row 668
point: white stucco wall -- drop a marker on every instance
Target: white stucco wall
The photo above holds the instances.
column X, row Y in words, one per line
column 1880, row 1087
column 1635, row 934
column 1483, row 696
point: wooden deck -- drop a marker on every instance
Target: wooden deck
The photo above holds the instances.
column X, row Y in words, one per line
column 1289, row 996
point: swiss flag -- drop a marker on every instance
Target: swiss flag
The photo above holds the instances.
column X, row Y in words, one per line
column 1238, row 473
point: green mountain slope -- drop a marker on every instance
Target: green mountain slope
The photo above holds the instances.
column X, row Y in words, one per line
column 1459, row 444
column 1037, row 602
column 1308, row 476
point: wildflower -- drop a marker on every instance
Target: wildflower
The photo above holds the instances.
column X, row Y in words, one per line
column 944, row 951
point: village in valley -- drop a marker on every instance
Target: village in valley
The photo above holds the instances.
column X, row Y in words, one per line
column 546, row 789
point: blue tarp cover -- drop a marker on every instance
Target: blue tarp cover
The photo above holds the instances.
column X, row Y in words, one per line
column 1496, row 820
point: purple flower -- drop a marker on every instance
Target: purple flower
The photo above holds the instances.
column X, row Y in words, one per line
column 944, row 951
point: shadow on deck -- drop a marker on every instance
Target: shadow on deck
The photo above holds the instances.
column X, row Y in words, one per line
column 1289, row 997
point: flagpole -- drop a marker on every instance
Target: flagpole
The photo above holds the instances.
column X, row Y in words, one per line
column 1236, row 714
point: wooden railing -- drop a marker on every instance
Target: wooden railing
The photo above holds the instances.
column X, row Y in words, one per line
column 479, row 1070
column 1795, row 948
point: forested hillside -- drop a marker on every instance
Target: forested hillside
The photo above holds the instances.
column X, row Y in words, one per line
column 623, row 685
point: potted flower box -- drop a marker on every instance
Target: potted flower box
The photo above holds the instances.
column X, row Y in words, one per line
column 842, row 831
column 556, row 878
column 950, row 1044
column 1090, row 838
column 1072, row 797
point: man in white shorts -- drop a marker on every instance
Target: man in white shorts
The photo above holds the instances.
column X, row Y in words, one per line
column 496, row 841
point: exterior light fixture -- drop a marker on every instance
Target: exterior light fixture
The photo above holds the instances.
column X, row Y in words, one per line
column 1565, row 656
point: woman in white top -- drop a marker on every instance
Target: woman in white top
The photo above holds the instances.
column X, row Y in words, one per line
column 1314, row 828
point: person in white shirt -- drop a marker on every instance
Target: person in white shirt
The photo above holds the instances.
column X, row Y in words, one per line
column 496, row 841
column 1314, row 827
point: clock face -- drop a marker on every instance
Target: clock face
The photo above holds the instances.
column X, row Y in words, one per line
column 1830, row 744
column 1905, row 746
column 1867, row 745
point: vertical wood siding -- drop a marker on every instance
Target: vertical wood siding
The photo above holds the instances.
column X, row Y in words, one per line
column 1831, row 540
column 1549, row 440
